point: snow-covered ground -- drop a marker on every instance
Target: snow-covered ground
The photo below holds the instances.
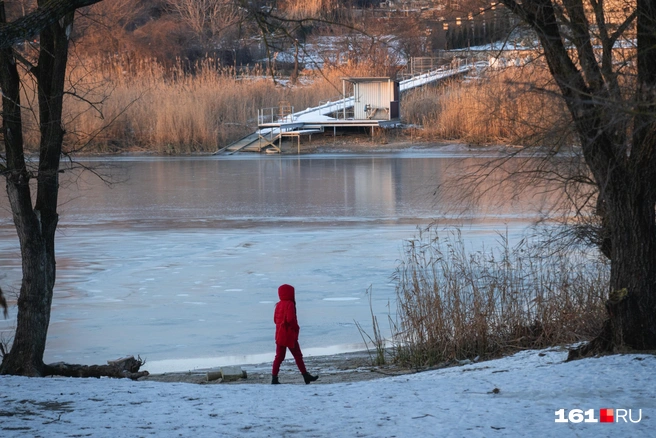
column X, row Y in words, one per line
column 514, row 396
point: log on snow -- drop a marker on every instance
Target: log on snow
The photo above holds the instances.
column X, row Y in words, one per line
column 126, row 367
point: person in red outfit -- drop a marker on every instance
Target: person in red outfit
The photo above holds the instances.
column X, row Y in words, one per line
column 287, row 330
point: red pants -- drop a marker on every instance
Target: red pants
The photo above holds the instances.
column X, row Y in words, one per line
column 281, row 351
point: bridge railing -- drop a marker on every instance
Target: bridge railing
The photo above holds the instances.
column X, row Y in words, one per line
column 276, row 114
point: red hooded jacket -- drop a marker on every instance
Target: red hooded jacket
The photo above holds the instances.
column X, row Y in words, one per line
column 284, row 316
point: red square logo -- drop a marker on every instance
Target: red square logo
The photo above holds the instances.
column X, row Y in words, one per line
column 606, row 415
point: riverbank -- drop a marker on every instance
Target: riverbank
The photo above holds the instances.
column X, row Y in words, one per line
column 385, row 141
column 381, row 142
column 338, row 368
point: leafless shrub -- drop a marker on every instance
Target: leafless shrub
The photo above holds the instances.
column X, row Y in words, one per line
column 5, row 346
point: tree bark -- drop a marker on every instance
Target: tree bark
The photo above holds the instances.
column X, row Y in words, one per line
column 622, row 164
column 33, row 23
column 632, row 220
column 631, row 305
column 3, row 304
column 632, row 196
column 25, row 219
column 36, row 225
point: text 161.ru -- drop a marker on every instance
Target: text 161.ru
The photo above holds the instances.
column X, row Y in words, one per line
column 606, row 415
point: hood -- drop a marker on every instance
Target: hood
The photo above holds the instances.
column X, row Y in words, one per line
column 286, row 293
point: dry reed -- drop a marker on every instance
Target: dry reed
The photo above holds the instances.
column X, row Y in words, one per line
column 303, row 9
column 377, row 342
column 456, row 304
column 170, row 111
column 513, row 106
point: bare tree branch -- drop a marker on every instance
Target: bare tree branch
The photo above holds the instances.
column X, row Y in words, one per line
column 32, row 24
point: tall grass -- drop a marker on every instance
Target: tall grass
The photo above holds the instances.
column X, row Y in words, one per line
column 302, row 9
column 173, row 111
column 516, row 105
column 378, row 342
column 454, row 304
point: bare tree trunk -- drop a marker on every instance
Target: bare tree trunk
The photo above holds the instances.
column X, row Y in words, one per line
column 31, row 24
column 22, row 358
column 294, row 77
column 623, row 163
column 632, row 299
column 35, row 226
column 632, row 199
column 631, row 302
column 3, row 305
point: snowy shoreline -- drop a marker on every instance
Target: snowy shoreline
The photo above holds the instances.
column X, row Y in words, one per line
column 352, row 366
column 519, row 395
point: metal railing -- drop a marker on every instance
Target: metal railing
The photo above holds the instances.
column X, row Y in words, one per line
column 339, row 108
column 276, row 114
column 345, row 113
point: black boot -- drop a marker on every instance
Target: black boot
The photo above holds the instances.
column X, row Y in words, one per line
column 309, row 378
column 274, row 380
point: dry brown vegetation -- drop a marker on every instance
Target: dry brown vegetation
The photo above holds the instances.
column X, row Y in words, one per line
column 455, row 303
column 299, row 9
column 508, row 106
column 169, row 111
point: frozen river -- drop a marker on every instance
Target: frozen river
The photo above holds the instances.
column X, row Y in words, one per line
column 180, row 260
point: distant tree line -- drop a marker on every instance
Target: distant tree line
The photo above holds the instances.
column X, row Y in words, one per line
column 190, row 30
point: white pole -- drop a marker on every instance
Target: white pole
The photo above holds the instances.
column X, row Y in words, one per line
column 344, row 99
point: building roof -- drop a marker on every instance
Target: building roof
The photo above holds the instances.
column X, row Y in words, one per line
column 368, row 79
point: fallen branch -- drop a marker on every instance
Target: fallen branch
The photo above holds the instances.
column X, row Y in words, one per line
column 127, row 367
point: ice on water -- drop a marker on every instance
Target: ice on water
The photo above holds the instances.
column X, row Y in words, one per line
column 180, row 263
